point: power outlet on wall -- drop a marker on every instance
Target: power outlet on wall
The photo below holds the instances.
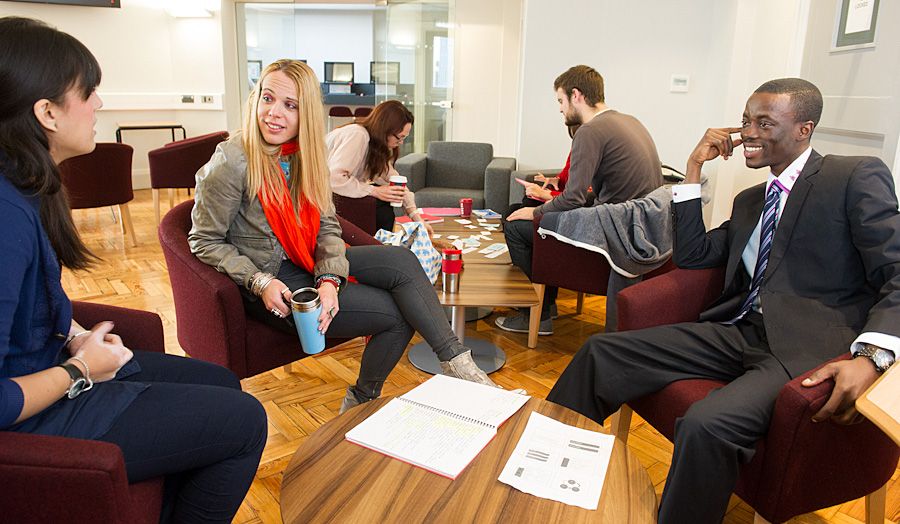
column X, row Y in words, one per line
column 206, row 99
column 187, row 99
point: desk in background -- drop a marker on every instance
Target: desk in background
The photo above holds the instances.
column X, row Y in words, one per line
column 135, row 126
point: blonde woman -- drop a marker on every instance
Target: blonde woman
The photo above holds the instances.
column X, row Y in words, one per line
column 264, row 216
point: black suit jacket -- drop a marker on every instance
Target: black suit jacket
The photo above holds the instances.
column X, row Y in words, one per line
column 834, row 268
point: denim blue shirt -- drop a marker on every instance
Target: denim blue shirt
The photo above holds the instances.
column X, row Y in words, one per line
column 35, row 318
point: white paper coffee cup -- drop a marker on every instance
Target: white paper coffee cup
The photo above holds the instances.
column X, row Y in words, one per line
column 397, row 180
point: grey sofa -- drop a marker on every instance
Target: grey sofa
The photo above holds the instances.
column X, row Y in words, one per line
column 453, row 170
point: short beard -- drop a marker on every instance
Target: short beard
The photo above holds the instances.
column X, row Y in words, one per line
column 573, row 120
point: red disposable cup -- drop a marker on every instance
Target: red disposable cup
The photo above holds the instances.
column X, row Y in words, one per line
column 465, row 207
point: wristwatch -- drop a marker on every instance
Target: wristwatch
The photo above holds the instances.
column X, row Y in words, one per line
column 79, row 382
column 882, row 358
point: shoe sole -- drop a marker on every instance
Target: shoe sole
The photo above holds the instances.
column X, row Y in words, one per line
column 514, row 330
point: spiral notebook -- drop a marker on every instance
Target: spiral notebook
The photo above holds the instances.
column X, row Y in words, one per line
column 440, row 425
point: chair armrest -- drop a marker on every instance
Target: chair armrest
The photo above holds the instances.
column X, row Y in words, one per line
column 354, row 236
column 496, row 183
column 677, row 296
column 141, row 330
column 412, row 166
column 799, row 451
column 60, row 479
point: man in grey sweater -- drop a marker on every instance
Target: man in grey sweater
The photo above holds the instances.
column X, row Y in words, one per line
column 613, row 159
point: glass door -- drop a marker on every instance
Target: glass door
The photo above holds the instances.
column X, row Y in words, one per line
column 414, row 61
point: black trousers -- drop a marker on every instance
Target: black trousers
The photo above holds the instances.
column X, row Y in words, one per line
column 520, row 240
column 393, row 300
column 717, row 434
column 384, row 215
column 195, row 426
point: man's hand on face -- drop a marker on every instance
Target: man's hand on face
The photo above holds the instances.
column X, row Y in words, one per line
column 715, row 142
column 851, row 379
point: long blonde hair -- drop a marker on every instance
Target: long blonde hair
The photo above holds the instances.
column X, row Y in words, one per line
column 309, row 168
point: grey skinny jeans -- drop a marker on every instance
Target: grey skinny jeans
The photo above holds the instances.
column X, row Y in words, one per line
column 392, row 300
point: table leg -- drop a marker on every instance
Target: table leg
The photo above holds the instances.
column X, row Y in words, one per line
column 486, row 354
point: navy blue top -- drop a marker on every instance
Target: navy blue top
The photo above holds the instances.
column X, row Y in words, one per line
column 35, row 318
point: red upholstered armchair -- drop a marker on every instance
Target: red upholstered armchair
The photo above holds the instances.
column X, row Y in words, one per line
column 583, row 271
column 101, row 178
column 212, row 324
column 55, row 479
column 358, row 211
column 799, row 466
column 175, row 164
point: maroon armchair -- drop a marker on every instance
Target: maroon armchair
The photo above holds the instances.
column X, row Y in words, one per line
column 212, row 323
column 175, row 164
column 56, row 479
column 584, row 271
column 799, row 466
column 101, row 178
column 358, row 211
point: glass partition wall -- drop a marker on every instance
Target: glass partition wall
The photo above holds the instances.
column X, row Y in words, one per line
column 362, row 53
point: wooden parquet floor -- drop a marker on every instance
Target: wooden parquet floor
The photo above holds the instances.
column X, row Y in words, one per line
column 301, row 396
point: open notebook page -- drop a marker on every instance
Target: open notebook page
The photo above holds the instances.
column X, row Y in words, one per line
column 468, row 399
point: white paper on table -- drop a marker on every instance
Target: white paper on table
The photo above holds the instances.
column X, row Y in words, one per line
column 469, row 250
column 471, row 227
column 463, row 221
column 559, row 462
column 497, row 253
column 495, row 248
column 436, row 235
column 452, row 237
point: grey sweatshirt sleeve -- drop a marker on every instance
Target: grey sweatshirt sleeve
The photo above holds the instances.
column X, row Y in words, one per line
column 587, row 151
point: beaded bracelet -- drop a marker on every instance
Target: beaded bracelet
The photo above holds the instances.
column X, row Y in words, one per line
column 331, row 279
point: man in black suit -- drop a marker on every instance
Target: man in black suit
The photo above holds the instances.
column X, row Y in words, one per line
column 823, row 234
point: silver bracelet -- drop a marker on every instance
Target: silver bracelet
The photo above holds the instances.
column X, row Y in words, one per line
column 87, row 370
column 259, row 281
column 73, row 337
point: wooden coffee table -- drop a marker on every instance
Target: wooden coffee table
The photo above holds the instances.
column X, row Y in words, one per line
column 484, row 282
column 331, row 480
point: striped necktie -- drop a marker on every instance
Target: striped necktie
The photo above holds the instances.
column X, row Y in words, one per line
column 767, row 233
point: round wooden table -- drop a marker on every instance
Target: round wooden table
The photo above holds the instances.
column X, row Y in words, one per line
column 332, row 480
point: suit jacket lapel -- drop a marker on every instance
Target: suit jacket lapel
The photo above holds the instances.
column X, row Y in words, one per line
column 743, row 224
column 792, row 208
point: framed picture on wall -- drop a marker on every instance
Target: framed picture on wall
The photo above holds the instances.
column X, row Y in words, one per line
column 254, row 69
column 855, row 25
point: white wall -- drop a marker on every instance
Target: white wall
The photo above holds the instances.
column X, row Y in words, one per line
column 145, row 54
column 861, row 87
column 487, row 40
column 637, row 46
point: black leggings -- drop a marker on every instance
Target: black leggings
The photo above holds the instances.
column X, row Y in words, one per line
column 195, row 426
column 392, row 300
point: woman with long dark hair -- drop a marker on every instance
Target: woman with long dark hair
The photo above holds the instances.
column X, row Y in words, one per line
column 361, row 160
column 263, row 215
column 172, row 416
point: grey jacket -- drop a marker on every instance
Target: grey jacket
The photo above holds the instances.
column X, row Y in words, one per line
column 634, row 236
column 230, row 231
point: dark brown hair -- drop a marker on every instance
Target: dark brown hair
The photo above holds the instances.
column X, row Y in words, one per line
column 388, row 118
column 38, row 62
column 584, row 78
